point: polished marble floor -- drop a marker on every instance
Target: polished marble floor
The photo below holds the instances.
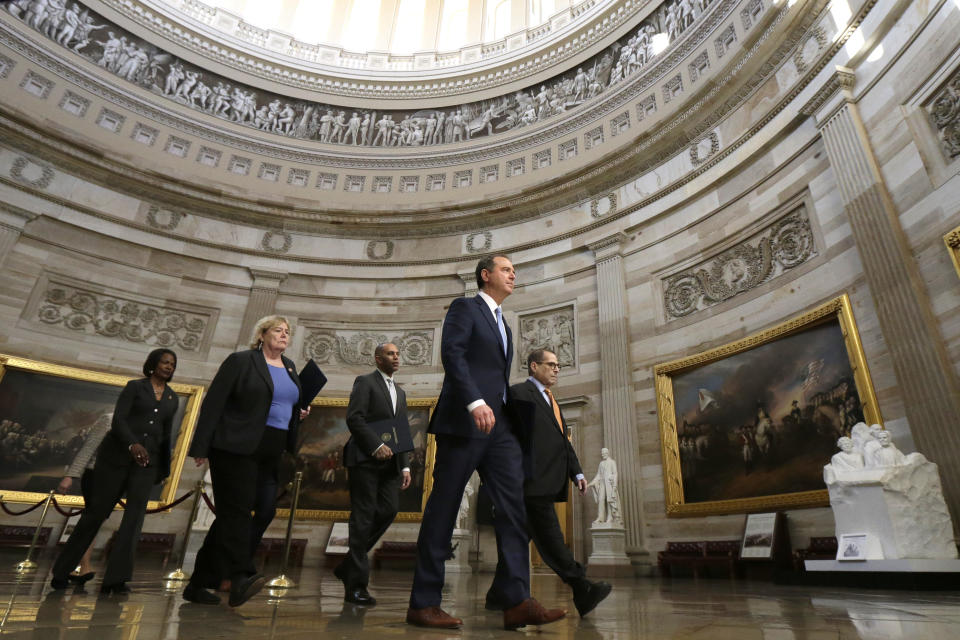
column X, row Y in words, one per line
column 708, row 609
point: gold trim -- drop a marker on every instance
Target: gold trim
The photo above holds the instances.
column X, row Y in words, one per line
column 839, row 309
column 403, row 516
column 952, row 240
column 193, row 393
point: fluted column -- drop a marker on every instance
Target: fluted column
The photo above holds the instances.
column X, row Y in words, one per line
column 469, row 279
column 12, row 222
column 617, row 397
column 928, row 385
column 262, row 301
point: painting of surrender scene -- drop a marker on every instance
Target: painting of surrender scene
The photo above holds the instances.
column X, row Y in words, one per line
column 761, row 422
column 325, row 493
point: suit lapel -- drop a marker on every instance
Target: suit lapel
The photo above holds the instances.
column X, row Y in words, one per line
column 260, row 364
column 543, row 404
column 492, row 322
column 385, row 392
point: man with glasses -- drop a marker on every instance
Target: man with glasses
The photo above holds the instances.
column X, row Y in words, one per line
column 549, row 463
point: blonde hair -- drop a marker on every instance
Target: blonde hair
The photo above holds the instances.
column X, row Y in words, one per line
column 263, row 325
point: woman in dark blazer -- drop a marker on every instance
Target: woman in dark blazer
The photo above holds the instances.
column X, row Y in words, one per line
column 134, row 455
column 249, row 417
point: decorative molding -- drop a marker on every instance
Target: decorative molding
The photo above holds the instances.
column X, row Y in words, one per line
column 605, row 205
column 542, row 159
column 812, row 46
column 240, row 165
column 750, row 13
column 567, row 150
column 110, row 120
column 698, row 66
column 943, row 110
column 166, row 219
column 382, row 184
column 74, row 104
column 144, row 134
column 516, row 167
column 767, row 254
column 31, row 173
column 704, row 148
column 269, row 171
column 620, row 124
column 276, row 241
column 478, row 242
column 298, row 177
column 554, row 329
column 177, row 146
column 36, row 84
column 6, row 66
column 82, row 308
column 356, row 347
column 380, row 249
column 726, row 40
column 209, row 157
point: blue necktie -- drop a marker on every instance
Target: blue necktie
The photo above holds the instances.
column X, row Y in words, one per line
column 503, row 331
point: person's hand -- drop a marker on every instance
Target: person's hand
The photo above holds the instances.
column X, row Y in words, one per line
column 200, row 461
column 140, row 455
column 582, row 485
column 483, row 418
column 65, row 484
column 405, row 482
column 304, row 413
column 383, row 453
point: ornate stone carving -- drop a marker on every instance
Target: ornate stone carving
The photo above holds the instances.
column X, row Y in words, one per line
column 785, row 244
column 298, row 177
column 177, row 146
column 699, row 65
column 37, row 85
column 144, row 134
column 726, row 39
column 490, row 173
column 704, row 148
column 516, row 167
column 74, row 103
column 602, row 206
column 382, row 184
column 816, row 41
column 208, row 156
column 276, row 241
column 478, row 242
column 553, row 329
column 380, row 249
column 355, row 347
column 6, row 66
column 750, row 13
column 462, row 179
column 31, row 173
column 91, row 312
column 646, row 107
column 165, row 219
column 620, row 123
column 944, row 110
column 269, row 171
column 566, row 150
column 110, row 120
column 240, row 165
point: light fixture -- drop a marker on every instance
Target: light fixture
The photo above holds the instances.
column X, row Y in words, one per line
column 659, row 42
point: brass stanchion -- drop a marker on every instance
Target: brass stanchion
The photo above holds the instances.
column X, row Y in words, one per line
column 282, row 581
column 28, row 565
column 178, row 574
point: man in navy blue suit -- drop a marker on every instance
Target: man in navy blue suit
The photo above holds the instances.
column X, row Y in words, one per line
column 473, row 432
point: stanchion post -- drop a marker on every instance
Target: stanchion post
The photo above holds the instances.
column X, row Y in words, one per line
column 28, row 565
column 282, row 581
column 178, row 574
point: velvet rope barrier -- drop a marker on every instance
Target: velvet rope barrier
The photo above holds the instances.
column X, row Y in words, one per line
column 20, row 513
column 74, row 512
column 209, row 502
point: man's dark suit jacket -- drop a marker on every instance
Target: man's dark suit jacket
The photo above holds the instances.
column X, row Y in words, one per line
column 370, row 402
column 474, row 367
column 234, row 413
column 549, row 459
column 136, row 422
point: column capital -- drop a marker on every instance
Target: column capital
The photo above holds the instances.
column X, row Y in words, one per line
column 267, row 279
column 608, row 247
column 838, row 89
column 469, row 279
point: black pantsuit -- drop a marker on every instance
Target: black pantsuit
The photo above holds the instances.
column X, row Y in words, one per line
column 374, row 484
column 139, row 418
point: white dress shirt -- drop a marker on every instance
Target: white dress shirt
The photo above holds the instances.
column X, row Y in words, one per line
column 392, row 388
column 493, row 306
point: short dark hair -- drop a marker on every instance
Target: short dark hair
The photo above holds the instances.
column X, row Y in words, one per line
column 536, row 356
column 154, row 359
column 488, row 263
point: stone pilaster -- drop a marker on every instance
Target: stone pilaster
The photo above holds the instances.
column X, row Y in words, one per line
column 12, row 222
column 617, row 397
column 262, row 301
column 469, row 279
column 928, row 386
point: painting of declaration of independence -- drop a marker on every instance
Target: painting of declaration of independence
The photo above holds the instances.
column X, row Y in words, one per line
column 325, row 494
column 46, row 414
column 754, row 428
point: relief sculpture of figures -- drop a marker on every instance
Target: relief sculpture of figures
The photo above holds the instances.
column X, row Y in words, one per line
column 144, row 64
column 605, row 492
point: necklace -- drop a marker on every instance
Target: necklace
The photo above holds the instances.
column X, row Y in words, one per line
column 157, row 391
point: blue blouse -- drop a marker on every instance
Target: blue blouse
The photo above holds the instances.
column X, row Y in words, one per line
column 285, row 395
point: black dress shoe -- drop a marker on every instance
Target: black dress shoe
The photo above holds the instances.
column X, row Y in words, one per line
column 198, row 595
column 493, row 603
column 587, row 597
column 59, row 583
column 119, row 588
column 243, row 590
column 338, row 571
column 81, row 579
column 360, row 596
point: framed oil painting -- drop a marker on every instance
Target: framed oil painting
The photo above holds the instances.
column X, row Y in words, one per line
column 748, row 426
column 325, row 494
column 46, row 413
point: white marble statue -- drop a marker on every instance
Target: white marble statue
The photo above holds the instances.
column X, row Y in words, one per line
column 463, row 515
column 849, row 458
column 886, row 454
column 604, row 486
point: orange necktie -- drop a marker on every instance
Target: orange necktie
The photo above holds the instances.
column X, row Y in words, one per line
column 556, row 409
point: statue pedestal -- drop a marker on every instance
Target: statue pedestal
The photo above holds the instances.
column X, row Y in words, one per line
column 460, row 563
column 609, row 555
column 901, row 506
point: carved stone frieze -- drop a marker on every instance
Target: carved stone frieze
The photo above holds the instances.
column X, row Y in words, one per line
column 944, row 111
column 276, row 241
column 478, row 242
column 6, row 66
column 356, row 347
column 165, row 219
column 815, row 43
column 554, row 329
column 86, row 310
column 31, row 173
column 605, row 205
column 785, row 244
column 380, row 249
column 704, row 148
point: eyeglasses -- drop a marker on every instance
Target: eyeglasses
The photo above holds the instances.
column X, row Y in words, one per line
column 553, row 365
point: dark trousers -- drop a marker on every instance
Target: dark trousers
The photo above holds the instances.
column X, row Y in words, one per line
column 226, row 552
column 374, row 500
column 499, row 462
column 109, row 484
column 544, row 529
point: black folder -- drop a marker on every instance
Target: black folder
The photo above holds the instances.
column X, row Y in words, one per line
column 311, row 382
column 394, row 432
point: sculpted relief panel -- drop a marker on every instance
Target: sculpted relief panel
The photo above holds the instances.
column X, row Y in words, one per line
column 944, row 110
column 88, row 34
column 554, row 330
column 787, row 243
column 356, row 347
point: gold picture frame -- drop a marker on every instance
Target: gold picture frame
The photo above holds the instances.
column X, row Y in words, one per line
column 63, row 402
column 952, row 240
column 708, row 473
column 324, row 494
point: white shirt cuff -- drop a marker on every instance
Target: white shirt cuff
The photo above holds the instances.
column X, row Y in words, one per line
column 476, row 403
column 405, row 470
column 580, row 477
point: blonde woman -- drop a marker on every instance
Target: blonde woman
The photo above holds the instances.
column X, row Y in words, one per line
column 249, row 417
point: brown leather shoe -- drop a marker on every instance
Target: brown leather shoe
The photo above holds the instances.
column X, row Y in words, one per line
column 434, row 617
column 530, row 612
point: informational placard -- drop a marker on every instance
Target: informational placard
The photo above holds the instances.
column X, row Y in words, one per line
column 339, row 541
column 758, row 536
